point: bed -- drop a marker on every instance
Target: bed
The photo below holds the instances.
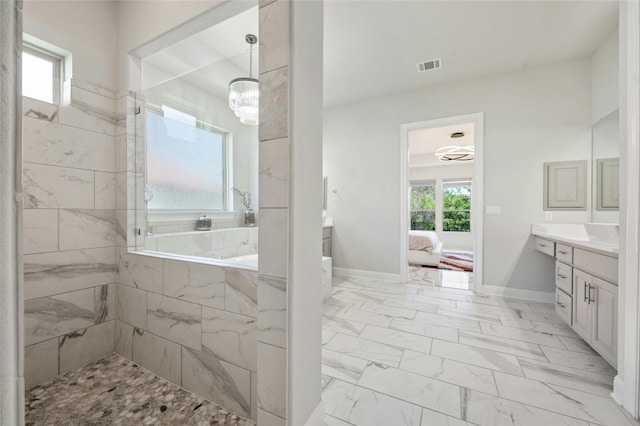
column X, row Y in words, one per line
column 424, row 248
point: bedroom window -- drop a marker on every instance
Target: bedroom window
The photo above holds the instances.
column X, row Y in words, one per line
column 423, row 206
column 456, row 206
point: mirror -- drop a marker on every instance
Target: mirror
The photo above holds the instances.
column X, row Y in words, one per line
column 606, row 169
column 200, row 170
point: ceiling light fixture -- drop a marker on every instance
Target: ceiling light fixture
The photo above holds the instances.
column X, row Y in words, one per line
column 455, row 153
column 244, row 93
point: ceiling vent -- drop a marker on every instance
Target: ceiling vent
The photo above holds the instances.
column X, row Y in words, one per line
column 433, row 64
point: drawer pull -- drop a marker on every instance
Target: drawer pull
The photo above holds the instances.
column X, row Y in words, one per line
column 590, row 299
column 562, row 252
column 541, row 245
column 562, row 305
column 562, row 277
column 585, row 292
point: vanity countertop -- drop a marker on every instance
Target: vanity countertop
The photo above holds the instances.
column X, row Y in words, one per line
column 598, row 237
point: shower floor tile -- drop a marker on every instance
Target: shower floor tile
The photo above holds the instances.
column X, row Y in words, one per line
column 116, row 391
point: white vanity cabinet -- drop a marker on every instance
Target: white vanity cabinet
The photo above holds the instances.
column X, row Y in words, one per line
column 595, row 316
column 586, row 294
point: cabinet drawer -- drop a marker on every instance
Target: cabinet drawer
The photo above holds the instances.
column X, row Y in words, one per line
column 564, row 304
column 545, row 246
column 601, row 266
column 564, row 277
column 326, row 232
column 564, row 253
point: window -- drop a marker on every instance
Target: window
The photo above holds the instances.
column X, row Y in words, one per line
column 456, row 206
column 423, row 206
column 41, row 74
column 186, row 163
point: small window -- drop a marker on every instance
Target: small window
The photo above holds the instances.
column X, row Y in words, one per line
column 41, row 71
column 423, row 206
column 456, row 206
column 186, row 163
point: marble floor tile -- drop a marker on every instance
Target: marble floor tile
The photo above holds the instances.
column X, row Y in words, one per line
column 480, row 357
column 397, row 338
column 587, row 362
column 454, row 348
column 343, row 326
column 391, row 311
column 333, row 421
column 576, row 344
column 586, row 381
column 360, row 296
column 413, row 388
column 448, row 321
column 521, row 335
column 341, row 366
column 356, row 405
column 425, row 329
column 498, row 344
column 410, row 304
column 365, row 349
column 487, row 410
column 457, row 373
column 433, row 418
column 363, row 317
column 327, row 335
column 475, row 316
column 343, row 303
column 559, row 399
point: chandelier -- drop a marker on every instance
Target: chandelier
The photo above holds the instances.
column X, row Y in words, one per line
column 455, row 153
column 244, row 93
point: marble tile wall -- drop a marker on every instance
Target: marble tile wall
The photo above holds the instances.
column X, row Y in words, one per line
column 273, row 134
column 69, row 186
column 191, row 323
column 216, row 244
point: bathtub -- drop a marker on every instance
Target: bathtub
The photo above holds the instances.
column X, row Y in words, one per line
column 236, row 247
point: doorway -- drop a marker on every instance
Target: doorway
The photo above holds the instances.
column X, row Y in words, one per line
column 452, row 229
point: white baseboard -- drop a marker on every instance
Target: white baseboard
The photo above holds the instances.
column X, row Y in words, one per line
column 317, row 417
column 618, row 390
column 518, row 293
column 347, row 272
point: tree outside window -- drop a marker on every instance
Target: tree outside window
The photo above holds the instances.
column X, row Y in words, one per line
column 423, row 207
column 456, row 206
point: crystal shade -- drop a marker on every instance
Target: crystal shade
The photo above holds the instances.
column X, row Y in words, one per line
column 243, row 99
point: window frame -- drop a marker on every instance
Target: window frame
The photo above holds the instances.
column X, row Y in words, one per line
column 188, row 215
column 456, row 183
column 422, row 184
column 57, row 69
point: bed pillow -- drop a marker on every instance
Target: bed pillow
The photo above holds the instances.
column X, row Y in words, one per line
column 423, row 240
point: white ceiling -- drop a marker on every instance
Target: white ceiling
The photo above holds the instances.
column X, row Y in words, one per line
column 423, row 143
column 371, row 47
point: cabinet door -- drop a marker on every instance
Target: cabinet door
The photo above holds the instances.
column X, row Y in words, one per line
column 581, row 308
column 565, row 185
column 604, row 306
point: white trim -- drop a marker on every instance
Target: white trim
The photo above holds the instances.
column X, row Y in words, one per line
column 477, row 195
column 347, row 272
column 626, row 384
column 518, row 293
column 317, row 417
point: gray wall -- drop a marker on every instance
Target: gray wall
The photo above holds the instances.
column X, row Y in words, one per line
column 531, row 116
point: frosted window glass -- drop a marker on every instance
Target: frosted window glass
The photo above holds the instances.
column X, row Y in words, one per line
column 37, row 77
column 185, row 165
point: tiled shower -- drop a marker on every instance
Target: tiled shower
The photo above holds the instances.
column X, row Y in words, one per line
column 86, row 297
column 198, row 325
